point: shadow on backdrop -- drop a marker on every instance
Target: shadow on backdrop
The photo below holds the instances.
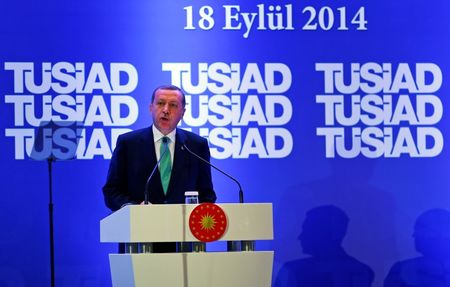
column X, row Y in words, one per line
column 432, row 240
column 329, row 265
column 350, row 185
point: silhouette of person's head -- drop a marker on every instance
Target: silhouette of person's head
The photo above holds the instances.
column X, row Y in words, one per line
column 323, row 230
column 432, row 234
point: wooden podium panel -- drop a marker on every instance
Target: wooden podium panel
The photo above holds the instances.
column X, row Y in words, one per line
column 170, row 223
column 209, row 269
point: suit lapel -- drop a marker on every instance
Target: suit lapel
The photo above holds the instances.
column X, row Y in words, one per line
column 148, row 152
column 149, row 159
column 179, row 160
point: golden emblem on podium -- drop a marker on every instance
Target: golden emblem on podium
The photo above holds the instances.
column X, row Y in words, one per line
column 208, row 222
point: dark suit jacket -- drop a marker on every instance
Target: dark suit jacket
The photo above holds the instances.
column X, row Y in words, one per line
column 134, row 158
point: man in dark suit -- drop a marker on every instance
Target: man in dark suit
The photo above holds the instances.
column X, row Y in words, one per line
column 137, row 153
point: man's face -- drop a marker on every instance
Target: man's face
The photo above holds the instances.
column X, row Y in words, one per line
column 167, row 110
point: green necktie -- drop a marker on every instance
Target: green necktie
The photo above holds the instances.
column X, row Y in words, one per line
column 165, row 164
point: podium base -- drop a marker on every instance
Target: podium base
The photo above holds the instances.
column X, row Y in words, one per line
column 209, row 269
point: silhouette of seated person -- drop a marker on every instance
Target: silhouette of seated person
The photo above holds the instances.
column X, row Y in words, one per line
column 329, row 265
column 432, row 240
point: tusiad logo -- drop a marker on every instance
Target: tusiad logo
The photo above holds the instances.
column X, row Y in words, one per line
column 67, row 93
column 240, row 108
column 381, row 110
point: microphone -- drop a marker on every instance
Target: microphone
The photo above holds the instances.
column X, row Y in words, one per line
column 146, row 192
column 241, row 193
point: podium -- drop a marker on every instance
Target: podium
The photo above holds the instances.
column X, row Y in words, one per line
column 141, row 225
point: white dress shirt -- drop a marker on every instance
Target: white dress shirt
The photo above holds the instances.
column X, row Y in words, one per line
column 157, row 137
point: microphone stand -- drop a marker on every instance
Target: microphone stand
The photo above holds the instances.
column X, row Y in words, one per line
column 241, row 193
column 50, row 161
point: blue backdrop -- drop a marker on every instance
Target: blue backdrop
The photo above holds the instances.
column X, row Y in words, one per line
column 336, row 108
